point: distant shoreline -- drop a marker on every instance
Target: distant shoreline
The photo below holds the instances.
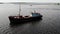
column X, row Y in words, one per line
column 31, row 3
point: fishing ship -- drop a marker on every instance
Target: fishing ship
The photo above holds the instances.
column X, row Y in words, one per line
column 34, row 16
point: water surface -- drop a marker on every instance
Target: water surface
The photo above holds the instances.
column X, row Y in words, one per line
column 50, row 23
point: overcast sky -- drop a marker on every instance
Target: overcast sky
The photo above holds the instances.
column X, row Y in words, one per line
column 41, row 1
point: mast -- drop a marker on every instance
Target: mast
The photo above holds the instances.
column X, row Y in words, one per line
column 19, row 9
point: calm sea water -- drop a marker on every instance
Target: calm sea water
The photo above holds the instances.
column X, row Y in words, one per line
column 50, row 23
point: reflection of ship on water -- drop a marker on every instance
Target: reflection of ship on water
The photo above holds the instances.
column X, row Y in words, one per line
column 20, row 19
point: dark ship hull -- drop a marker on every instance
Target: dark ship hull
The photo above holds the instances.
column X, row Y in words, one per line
column 24, row 19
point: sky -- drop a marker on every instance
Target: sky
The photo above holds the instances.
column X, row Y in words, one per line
column 40, row 1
